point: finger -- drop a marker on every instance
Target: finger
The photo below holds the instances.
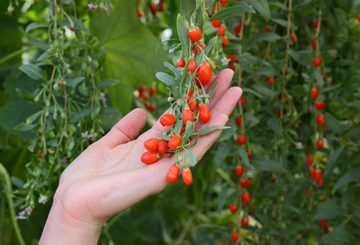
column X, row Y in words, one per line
column 223, row 80
column 126, row 129
column 220, row 116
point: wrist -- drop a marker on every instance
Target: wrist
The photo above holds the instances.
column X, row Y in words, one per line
column 61, row 228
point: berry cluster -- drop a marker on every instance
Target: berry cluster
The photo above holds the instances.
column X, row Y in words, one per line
column 144, row 94
column 153, row 8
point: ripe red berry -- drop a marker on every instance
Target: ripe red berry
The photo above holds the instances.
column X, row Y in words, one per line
column 321, row 120
column 245, row 183
column 151, row 144
column 140, row 13
column 204, row 73
column 244, row 222
column 173, row 173
column 152, row 91
column 314, row 43
column 293, row 37
column 324, row 225
column 232, row 67
column 216, row 23
column 358, row 17
column 314, row 92
column 320, row 105
column 310, row 160
column 150, row 157
column 187, row 176
column 319, row 181
column 239, row 170
column 150, row 107
column 238, row 121
column 221, row 30
column 153, row 8
column 191, row 66
column 233, row 208
column 266, row 29
column 312, row 172
column 318, row 174
column 180, row 63
column 319, row 144
column 195, row 34
column 162, row 147
column 223, row 2
column 187, row 115
column 225, row 41
column 315, row 24
column 174, row 142
column 204, row 113
column 191, row 100
column 245, row 197
column 141, row 90
column 197, row 49
column 237, row 29
column 270, row 80
column 241, row 139
column 242, row 101
column 317, row 61
column 167, row 120
column 235, row 236
column 162, row 7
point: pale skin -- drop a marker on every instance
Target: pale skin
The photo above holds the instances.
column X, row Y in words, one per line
column 109, row 177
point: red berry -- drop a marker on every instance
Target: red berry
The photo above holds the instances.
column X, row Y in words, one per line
column 266, row 29
column 293, row 37
column 314, row 43
column 245, row 197
column 358, row 17
column 320, row 120
column 310, row 160
column 191, row 101
column 151, row 108
column 244, row 222
column 162, row 147
column 195, row 34
column 318, row 174
column 232, row 67
column 216, row 23
column 191, row 66
column 173, row 173
column 314, row 92
column 238, row 121
column 223, row 2
column 167, row 120
column 317, row 61
column 225, row 41
column 237, row 29
column 221, row 30
column 319, row 144
column 162, row 7
column 141, row 90
column 239, row 170
column 324, row 225
column 315, row 24
column 180, row 63
column 233, row 208
column 250, row 154
column 241, row 139
column 242, row 101
column 312, row 172
column 270, row 80
column 245, row 183
column 187, row 115
column 187, row 176
column 198, row 48
column 152, row 91
column 320, row 105
column 151, row 144
column 150, row 157
column 319, row 181
column 140, row 13
column 153, row 8
column 235, row 236
column 174, row 142
column 204, row 113
column 204, row 73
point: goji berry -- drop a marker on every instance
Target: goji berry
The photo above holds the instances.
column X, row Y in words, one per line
column 204, row 113
column 241, row 139
column 187, row 115
column 244, row 222
column 180, row 63
column 293, row 37
column 187, row 176
column 151, row 144
column 320, row 120
column 266, row 29
column 314, row 43
column 191, row 101
column 233, row 209
column 162, row 147
column 221, row 30
column 153, row 8
column 310, row 160
column 174, row 142
column 320, row 105
column 315, row 24
column 319, row 144
column 195, row 34
column 235, row 236
column 225, row 41
column 216, row 23
column 150, row 157
column 167, row 120
column 204, row 73
column 245, row 197
column 238, row 121
column 317, row 61
column 270, row 80
column 314, row 92
column 173, row 173
column 191, row 66
column 239, row 170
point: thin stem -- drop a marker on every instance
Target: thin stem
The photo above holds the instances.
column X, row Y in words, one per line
column 5, row 182
column 13, row 54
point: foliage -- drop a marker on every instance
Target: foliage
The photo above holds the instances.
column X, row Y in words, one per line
column 65, row 78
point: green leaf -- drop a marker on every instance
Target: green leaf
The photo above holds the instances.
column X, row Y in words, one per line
column 280, row 22
column 182, row 29
column 187, row 7
column 244, row 156
column 79, row 25
column 248, row 90
column 351, row 176
column 280, row 5
column 262, row 7
column 334, row 159
column 189, row 129
column 265, row 164
column 166, row 78
column 32, row 71
column 274, row 125
column 77, row 116
column 173, row 69
column 107, row 83
column 190, row 157
column 234, row 11
column 72, row 82
column 221, row 152
column 34, row 25
column 301, row 57
column 266, row 36
column 19, row 183
column 208, row 130
column 25, row 127
column 33, row 117
column 330, row 209
column 339, row 236
column 210, row 45
column 212, row 89
column 318, row 78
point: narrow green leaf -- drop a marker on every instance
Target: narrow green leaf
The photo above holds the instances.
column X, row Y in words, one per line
column 33, row 117
column 34, row 25
column 234, row 11
column 32, row 71
column 166, row 78
column 173, row 69
column 77, row 116
column 208, row 130
column 190, row 157
column 274, row 125
column 25, row 127
column 187, row 7
column 280, row 22
column 267, row 165
column 19, row 183
column 262, row 7
column 266, row 36
column 182, row 29
column 107, row 83
column 210, row 45
column 330, row 209
column 244, row 156
column 318, row 78
column 351, row 176
column 72, row 82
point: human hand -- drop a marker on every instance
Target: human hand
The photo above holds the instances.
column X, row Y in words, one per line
column 109, row 177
